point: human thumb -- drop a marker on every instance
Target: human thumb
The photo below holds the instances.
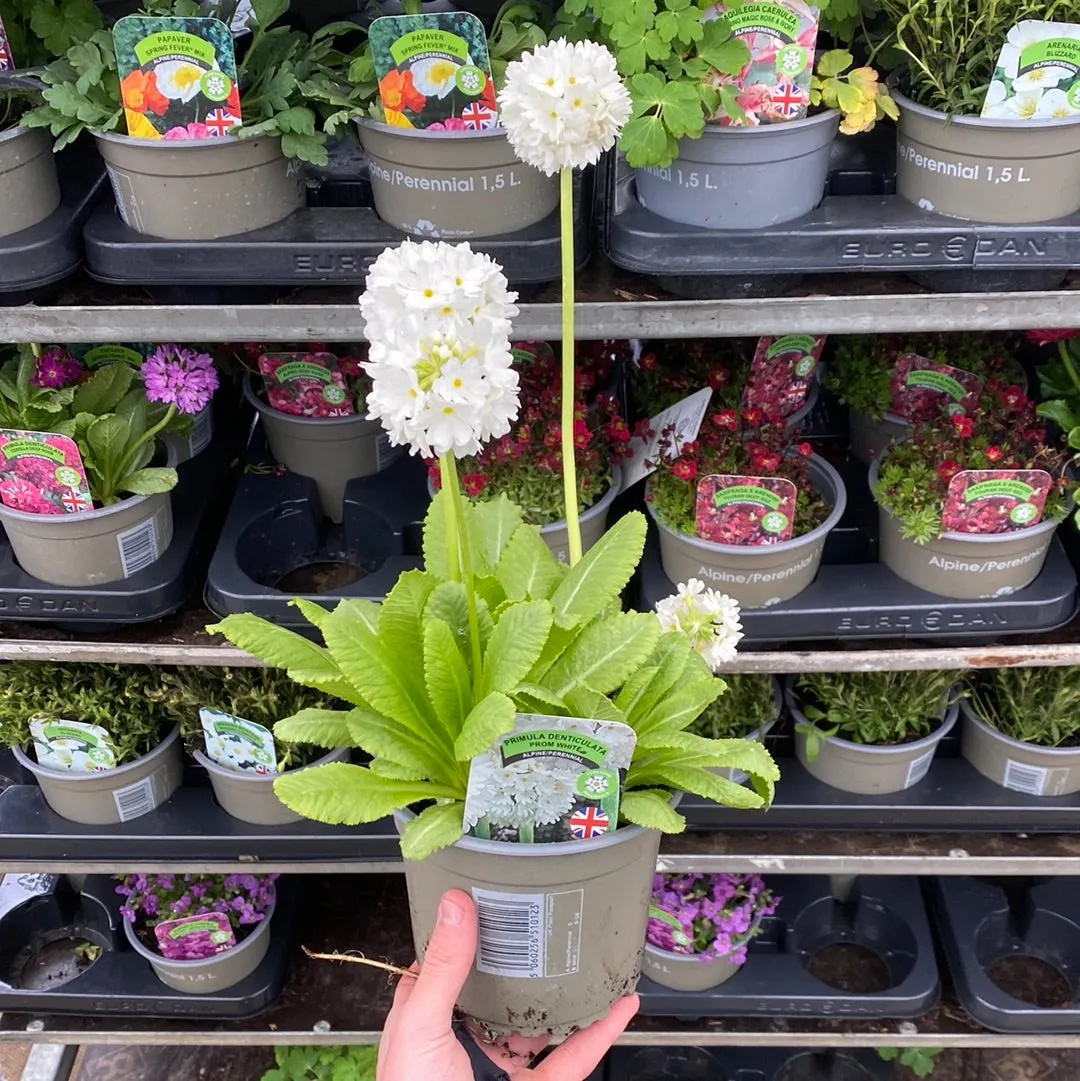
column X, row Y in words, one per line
column 448, row 960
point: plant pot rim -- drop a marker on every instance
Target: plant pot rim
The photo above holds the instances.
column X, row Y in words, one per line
column 759, row 131
column 266, row 409
column 250, row 777
column 945, row 726
column 974, row 718
column 425, row 134
column 186, row 145
column 36, row 768
column 736, row 550
column 981, row 122
column 695, row 958
column 1047, row 525
column 9, row 134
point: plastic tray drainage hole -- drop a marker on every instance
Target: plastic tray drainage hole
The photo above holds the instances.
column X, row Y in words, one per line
column 672, row 1064
column 53, row 960
column 325, row 576
column 849, row 967
column 824, row 1066
column 1032, row 980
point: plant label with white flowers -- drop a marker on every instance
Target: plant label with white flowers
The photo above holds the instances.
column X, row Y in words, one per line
column 670, row 429
column 781, row 373
column 995, row 500
column 194, row 938
column 1037, row 76
column 734, row 509
column 306, row 384
column 237, row 744
column 920, row 385
column 551, row 779
column 177, row 77
column 434, row 71
column 42, row 473
column 72, row 746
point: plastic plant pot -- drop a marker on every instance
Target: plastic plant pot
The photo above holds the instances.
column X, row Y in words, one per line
column 184, row 448
column 761, row 575
column 451, row 184
column 584, row 904
column 1021, row 767
column 981, row 169
column 116, row 795
column 250, row 796
column 29, row 190
column 865, row 768
column 966, row 566
column 686, row 971
column 738, row 776
column 212, row 974
column 201, row 189
column 740, row 178
column 869, row 438
column 330, row 450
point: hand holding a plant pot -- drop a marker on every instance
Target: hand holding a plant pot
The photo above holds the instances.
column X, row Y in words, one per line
column 419, row 1038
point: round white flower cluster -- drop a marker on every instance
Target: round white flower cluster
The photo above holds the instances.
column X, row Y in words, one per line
column 563, row 105
column 708, row 618
column 438, row 321
column 521, row 793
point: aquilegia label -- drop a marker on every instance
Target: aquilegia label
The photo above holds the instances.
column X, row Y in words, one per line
column 551, row 779
column 72, row 746
column 732, row 509
column 781, row 373
column 1038, row 73
column 995, row 500
column 42, row 473
column 236, row 744
column 193, row 938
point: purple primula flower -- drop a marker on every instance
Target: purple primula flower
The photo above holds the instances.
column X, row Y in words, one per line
column 55, row 368
column 183, row 378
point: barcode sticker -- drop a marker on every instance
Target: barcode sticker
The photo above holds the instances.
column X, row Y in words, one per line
column 138, row 547
column 202, row 431
column 135, row 800
column 919, row 768
column 1023, row 778
column 527, row 935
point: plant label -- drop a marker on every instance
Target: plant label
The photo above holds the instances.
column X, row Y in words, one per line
column 72, row 746
column 995, row 500
column 239, row 745
column 97, row 356
column 42, row 473
column 678, row 935
column 193, row 938
column 551, row 779
column 177, row 77
column 306, row 384
column 919, row 384
column 16, row 890
column 781, row 36
column 670, row 428
column 7, row 61
column 434, row 71
column 745, row 510
column 781, row 374
column 1037, row 76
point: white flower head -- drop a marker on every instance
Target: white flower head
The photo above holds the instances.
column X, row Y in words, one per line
column 563, row 105
column 708, row 618
column 1055, row 105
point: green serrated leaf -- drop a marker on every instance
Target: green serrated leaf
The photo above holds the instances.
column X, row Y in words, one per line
column 515, row 645
column 605, row 654
column 319, row 727
column 491, row 524
column 652, row 809
column 432, row 829
column 527, row 567
column 447, row 676
column 491, row 717
column 149, row 481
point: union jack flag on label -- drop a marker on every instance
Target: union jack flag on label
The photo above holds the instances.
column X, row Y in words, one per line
column 789, row 99
column 73, row 503
column 220, row 122
column 588, row 822
column 477, row 116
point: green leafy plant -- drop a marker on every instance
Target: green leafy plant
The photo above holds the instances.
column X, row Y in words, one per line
column 1040, row 706
column 919, row 1060
column 1059, row 385
column 323, row 1064
column 517, row 632
column 745, row 706
column 856, row 92
column 872, row 708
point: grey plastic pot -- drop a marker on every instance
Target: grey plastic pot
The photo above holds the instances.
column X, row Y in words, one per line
column 184, row 448
column 452, row 184
column 330, row 450
column 869, row 438
column 213, row 974
column 864, row 768
column 1007, row 171
column 743, row 178
column 685, row 971
column 93, row 548
column 967, row 566
column 586, row 903
column 738, row 776
column 249, row 796
column 201, row 189
column 115, row 795
column 29, row 190
column 1022, row 767
column 761, row 575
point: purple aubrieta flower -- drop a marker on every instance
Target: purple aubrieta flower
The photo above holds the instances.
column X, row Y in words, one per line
column 184, row 378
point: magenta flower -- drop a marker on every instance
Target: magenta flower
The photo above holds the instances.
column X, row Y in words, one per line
column 191, row 131
column 180, row 377
column 55, row 368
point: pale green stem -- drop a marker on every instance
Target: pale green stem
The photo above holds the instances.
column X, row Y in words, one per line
column 148, row 434
column 569, row 463
column 1063, row 352
column 448, row 470
column 452, row 524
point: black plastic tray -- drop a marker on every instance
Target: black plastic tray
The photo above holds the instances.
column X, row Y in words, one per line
column 981, row 922
column 147, row 595
column 744, row 1064
column 884, row 915
column 35, row 259
column 120, row 982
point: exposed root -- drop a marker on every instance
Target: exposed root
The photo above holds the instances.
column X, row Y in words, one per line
column 355, row 957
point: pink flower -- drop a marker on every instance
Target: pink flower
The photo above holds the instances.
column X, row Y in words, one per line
column 1045, row 337
column 451, row 123
column 192, row 131
column 55, row 368
column 180, row 377
column 20, row 495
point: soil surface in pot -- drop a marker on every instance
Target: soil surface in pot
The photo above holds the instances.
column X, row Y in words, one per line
column 823, row 1067
column 1032, row 980
column 323, row 577
column 849, row 967
column 52, row 960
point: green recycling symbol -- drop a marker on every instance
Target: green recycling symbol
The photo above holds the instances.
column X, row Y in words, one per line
column 596, row 784
column 804, row 367
column 1023, row 513
column 333, row 394
column 68, row 476
column 774, row 522
column 470, row 79
column 215, row 85
column 791, row 60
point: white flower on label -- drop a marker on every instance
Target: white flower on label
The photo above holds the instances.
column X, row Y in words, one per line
column 708, row 618
column 1055, row 105
column 434, row 76
column 995, row 95
column 178, row 80
column 1041, row 78
column 563, row 105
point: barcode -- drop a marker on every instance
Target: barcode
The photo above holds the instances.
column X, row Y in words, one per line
column 202, row 431
column 511, row 933
column 135, row 800
column 138, row 547
column 1021, row 778
column 919, row 768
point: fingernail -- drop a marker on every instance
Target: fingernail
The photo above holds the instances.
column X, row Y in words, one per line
column 450, row 913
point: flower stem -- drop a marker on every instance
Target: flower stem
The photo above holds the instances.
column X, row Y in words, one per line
column 148, row 434
column 569, row 462
column 448, row 470
column 1063, row 352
